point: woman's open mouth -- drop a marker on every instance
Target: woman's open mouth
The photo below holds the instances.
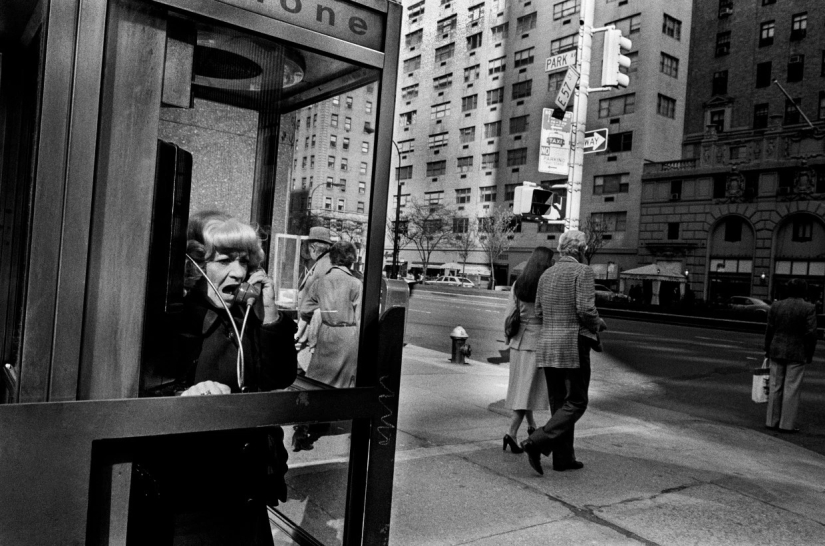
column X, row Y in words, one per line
column 229, row 289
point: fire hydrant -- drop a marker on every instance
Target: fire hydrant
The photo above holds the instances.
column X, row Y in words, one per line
column 461, row 348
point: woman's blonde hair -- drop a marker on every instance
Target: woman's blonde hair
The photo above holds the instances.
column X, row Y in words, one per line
column 212, row 232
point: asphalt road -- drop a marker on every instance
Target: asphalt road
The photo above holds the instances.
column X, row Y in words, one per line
column 701, row 372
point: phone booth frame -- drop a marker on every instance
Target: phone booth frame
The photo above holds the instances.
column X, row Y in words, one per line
column 52, row 427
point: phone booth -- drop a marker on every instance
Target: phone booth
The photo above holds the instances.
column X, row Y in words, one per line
column 126, row 127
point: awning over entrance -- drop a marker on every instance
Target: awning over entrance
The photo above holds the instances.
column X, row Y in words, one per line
column 652, row 272
column 519, row 268
column 472, row 269
column 450, row 265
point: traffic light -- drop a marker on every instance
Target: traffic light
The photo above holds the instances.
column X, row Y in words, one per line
column 531, row 201
column 612, row 59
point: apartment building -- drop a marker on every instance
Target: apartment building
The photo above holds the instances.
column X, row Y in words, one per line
column 471, row 89
column 331, row 165
column 742, row 212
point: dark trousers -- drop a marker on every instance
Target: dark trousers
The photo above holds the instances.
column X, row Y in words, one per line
column 567, row 388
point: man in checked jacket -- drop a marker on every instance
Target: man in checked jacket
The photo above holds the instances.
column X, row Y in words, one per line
column 566, row 304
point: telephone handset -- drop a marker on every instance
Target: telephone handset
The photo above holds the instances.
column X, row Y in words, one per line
column 247, row 293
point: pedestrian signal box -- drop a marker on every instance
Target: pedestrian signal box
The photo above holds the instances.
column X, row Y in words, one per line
column 534, row 203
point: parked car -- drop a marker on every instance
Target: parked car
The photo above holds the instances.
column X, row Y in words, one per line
column 451, row 281
column 747, row 303
column 606, row 294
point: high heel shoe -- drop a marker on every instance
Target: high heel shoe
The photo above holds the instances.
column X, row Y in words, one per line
column 514, row 447
column 530, row 430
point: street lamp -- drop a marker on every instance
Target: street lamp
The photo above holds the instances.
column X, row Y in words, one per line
column 396, row 231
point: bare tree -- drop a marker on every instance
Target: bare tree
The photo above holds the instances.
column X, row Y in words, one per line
column 465, row 238
column 496, row 233
column 427, row 227
column 594, row 230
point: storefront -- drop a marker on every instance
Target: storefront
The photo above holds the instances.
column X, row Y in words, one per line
column 121, row 120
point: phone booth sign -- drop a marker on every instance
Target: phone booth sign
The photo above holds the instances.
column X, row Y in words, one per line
column 192, row 339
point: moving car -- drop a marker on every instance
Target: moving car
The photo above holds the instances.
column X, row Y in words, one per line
column 451, row 281
column 747, row 303
column 607, row 294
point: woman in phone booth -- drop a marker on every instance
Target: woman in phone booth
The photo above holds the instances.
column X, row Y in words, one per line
column 224, row 278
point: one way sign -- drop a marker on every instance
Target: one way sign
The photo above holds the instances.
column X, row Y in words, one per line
column 595, row 141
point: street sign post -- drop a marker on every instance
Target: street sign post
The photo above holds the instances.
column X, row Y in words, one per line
column 567, row 87
column 595, row 141
column 560, row 61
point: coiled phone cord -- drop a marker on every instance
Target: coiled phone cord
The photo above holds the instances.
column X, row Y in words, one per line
column 239, row 362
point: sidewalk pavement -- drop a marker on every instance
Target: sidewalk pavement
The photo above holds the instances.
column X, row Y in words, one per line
column 651, row 476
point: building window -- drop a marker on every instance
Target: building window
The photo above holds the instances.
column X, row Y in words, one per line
column 616, row 106
column 722, row 43
column 409, row 92
column 406, row 146
column 443, row 82
column 821, row 105
column 519, row 124
column 620, row 142
column 499, row 32
column 415, row 10
column 447, row 25
column 313, row 141
column 766, row 32
column 635, row 24
column 434, row 198
column 796, row 67
column 760, row 116
column 799, row 26
column 610, row 221
column 349, row 102
column 489, row 161
column 672, row 27
column 666, row 106
column 328, row 203
column 768, row 2
column 487, row 194
column 345, row 145
column 405, row 173
column 469, row 103
column 554, row 81
column 733, row 230
column 725, row 8
column 675, row 190
column 471, row 73
column 524, row 57
column 476, row 12
column 347, row 123
column 414, row 38
column 360, row 208
column 822, row 66
column 462, row 196
column 669, row 65
column 516, row 157
column 526, row 23
column 312, row 162
column 336, row 101
column 334, row 120
column 803, row 229
column 672, row 230
column 522, row 89
column 407, row 118
column 342, row 183
column 791, row 112
column 436, row 168
column 467, row 135
column 763, row 74
column 566, row 43
column 362, row 187
column 717, row 118
column 341, row 205
column 368, row 107
column 439, row 111
column 495, row 96
column 464, row 164
column 437, row 141
column 494, row 66
column 330, row 181
column 333, row 141
column 331, row 162
column 344, row 164
column 720, row 83
column 611, row 183
column 492, row 130
column 303, row 162
column 365, row 147
column 368, row 128
column 566, row 8
column 413, row 64
column 445, row 52
column 461, row 225
column 363, row 168
column 474, row 41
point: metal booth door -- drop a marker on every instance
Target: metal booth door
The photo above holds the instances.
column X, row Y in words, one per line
column 166, row 114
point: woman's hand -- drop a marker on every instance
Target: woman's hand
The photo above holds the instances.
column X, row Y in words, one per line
column 265, row 307
column 207, row 387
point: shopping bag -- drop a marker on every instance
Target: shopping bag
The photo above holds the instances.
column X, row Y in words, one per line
column 761, row 382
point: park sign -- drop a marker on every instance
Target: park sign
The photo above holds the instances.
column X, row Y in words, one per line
column 560, row 61
column 554, row 148
column 595, row 141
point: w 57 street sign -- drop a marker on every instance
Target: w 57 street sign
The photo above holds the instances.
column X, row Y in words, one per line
column 595, row 141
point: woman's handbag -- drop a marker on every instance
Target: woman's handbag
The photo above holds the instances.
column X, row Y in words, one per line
column 512, row 322
column 761, row 382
